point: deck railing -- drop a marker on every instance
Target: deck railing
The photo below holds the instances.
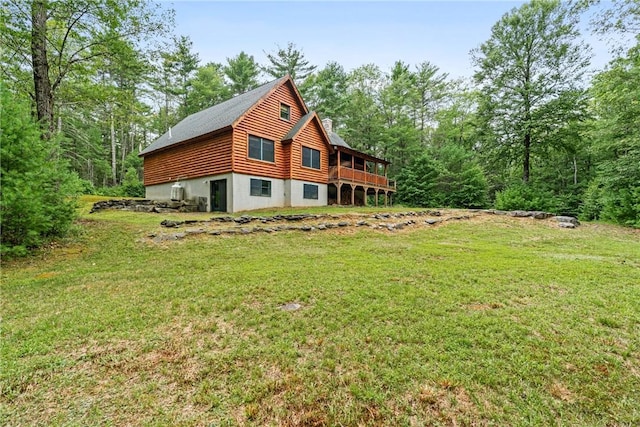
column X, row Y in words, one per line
column 360, row 177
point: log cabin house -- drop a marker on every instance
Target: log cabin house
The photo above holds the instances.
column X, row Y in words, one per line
column 261, row 149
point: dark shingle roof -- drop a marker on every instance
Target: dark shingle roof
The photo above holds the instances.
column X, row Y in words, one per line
column 336, row 140
column 213, row 118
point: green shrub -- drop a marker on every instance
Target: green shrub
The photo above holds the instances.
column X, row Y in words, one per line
column 132, row 186
column 614, row 195
column 448, row 177
column 519, row 196
column 37, row 199
column 116, row 191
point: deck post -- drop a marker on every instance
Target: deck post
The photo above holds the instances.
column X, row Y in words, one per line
column 353, row 191
column 339, row 186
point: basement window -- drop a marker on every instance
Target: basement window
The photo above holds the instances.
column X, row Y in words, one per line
column 310, row 192
column 260, row 187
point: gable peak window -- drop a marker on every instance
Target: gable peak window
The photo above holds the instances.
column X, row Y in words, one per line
column 310, row 158
column 261, row 148
column 285, row 112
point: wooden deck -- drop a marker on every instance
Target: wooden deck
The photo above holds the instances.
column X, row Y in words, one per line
column 354, row 176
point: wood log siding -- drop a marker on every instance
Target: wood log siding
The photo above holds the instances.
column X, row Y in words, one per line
column 311, row 137
column 205, row 157
column 229, row 151
column 264, row 121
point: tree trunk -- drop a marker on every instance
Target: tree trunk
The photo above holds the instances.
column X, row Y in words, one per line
column 40, row 65
column 114, row 163
column 527, row 155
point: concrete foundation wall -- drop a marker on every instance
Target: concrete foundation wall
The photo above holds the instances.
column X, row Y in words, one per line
column 193, row 188
column 243, row 200
column 297, row 194
column 283, row 192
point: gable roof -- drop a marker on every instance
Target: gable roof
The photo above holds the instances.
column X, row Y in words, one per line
column 298, row 126
column 302, row 123
column 217, row 117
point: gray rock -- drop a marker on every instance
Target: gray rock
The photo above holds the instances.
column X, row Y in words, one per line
column 144, row 208
column 566, row 225
column 244, row 219
column 541, row 215
column 520, row 214
column 292, row 306
column 566, row 219
column 432, row 221
column 171, row 224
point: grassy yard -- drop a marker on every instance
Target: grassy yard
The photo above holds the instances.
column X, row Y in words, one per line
column 487, row 321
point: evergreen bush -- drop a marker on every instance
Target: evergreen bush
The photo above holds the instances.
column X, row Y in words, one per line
column 37, row 197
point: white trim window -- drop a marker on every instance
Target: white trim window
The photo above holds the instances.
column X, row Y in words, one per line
column 310, row 158
column 261, row 149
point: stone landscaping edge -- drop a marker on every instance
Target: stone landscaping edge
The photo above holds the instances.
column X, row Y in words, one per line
column 307, row 222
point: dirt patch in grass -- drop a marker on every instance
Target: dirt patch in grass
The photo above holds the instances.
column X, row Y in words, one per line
column 444, row 403
column 561, row 392
column 134, row 379
column 484, row 307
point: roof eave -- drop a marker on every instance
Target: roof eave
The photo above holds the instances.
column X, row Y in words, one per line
column 187, row 141
column 361, row 154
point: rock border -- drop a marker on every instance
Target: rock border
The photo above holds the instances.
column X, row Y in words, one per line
column 248, row 224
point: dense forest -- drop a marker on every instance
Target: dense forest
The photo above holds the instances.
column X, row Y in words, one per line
column 87, row 84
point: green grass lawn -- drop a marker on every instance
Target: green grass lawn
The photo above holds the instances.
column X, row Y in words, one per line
column 490, row 321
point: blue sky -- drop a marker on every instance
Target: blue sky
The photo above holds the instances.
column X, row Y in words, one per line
column 352, row 33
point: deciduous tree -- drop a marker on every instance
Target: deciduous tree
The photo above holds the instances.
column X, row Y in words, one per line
column 529, row 73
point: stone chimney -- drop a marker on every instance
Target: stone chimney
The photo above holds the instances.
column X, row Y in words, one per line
column 328, row 125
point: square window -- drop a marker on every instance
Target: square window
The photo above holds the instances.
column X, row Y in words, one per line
column 260, row 187
column 261, row 148
column 285, row 112
column 310, row 158
column 310, row 192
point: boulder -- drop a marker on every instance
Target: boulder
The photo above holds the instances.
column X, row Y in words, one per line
column 566, row 225
column 520, row 214
column 541, row 215
column 566, row 219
